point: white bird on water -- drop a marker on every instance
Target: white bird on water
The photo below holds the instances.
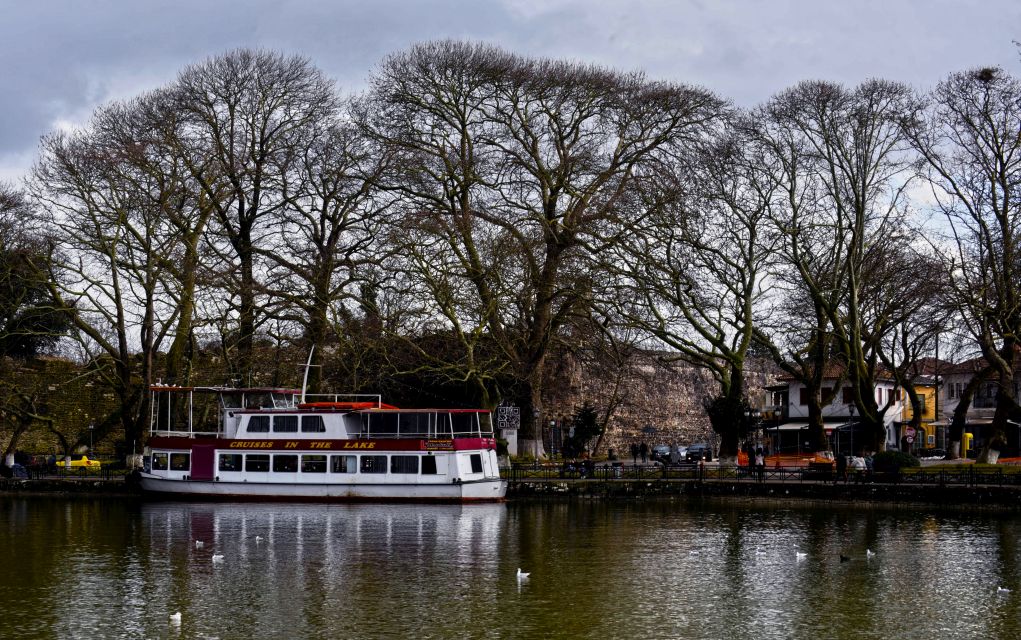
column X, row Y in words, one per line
column 869, row 553
column 522, row 575
column 217, row 557
column 175, row 619
column 199, row 544
column 1002, row 590
column 799, row 555
column 258, row 539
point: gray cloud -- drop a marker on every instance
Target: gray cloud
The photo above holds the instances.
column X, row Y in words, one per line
column 62, row 59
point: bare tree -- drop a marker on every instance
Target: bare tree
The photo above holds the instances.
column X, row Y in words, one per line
column 510, row 165
column 326, row 234
column 692, row 267
column 247, row 115
column 110, row 250
column 971, row 140
column 843, row 164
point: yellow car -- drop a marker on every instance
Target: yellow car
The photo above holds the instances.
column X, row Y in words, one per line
column 84, row 462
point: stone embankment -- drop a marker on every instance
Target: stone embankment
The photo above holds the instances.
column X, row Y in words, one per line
column 998, row 497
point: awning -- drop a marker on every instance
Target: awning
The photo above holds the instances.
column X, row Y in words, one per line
column 827, row 426
column 975, row 421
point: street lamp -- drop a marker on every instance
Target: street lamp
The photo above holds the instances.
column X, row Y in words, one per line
column 92, row 428
column 850, row 410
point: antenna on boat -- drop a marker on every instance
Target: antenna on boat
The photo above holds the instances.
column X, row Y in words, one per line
column 304, row 380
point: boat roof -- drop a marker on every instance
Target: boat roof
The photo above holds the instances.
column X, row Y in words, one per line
column 223, row 390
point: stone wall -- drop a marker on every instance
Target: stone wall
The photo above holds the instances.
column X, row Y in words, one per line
column 650, row 399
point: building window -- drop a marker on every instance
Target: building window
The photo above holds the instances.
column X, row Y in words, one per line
column 230, row 462
column 803, row 399
column 429, row 465
column 285, row 424
column 373, row 464
column 476, row 460
column 285, row 464
column 159, row 462
column 403, row 464
column 257, row 462
column 313, row 464
column 344, row 464
column 312, row 424
column 258, row 424
column 180, row 461
column 847, row 395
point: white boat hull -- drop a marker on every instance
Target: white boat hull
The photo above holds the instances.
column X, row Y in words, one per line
column 477, row 491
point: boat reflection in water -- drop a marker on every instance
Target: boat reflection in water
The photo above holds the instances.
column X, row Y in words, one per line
column 322, row 568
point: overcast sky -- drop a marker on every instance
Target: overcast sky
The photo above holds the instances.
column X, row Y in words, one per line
column 61, row 59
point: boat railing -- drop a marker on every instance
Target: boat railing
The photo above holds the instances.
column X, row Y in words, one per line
column 371, row 434
column 375, row 398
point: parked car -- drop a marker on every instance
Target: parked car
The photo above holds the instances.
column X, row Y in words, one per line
column 83, row 462
column 698, row 452
column 661, row 452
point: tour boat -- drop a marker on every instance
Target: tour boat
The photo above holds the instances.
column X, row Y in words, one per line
column 272, row 444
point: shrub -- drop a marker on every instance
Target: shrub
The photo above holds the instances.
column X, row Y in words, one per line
column 894, row 461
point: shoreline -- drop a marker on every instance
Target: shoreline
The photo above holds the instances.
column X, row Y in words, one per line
column 985, row 498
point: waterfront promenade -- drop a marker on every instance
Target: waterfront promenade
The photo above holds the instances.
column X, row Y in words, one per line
column 964, row 485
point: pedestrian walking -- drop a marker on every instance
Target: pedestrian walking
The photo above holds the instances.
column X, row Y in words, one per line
column 841, row 469
column 644, row 450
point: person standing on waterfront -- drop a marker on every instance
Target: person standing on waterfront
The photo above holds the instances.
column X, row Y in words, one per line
column 634, row 452
column 644, row 450
column 760, row 464
column 841, row 469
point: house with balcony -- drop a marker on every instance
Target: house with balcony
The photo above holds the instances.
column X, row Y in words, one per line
column 927, row 435
column 786, row 422
column 954, row 379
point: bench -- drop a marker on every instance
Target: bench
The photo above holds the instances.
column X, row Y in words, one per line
column 817, row 471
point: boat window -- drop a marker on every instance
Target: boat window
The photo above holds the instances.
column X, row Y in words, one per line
column 285, row 424
column 312, row 424
column 476, row 460
column 285, row 463
column 344, row 464
column 373, row 464
column 258, row 424
column 180, row 461
column 384, row 423
column 313, row 464
column 230, row 401
column 404, row 464
column 429, row 465
column 415, row 424
column 258, row 400
column 464, row 423
column 442, row 424
column 159, row 461
column 257, row 462
column 230, row 462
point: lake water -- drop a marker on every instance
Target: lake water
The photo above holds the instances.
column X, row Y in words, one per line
column 112, row 569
